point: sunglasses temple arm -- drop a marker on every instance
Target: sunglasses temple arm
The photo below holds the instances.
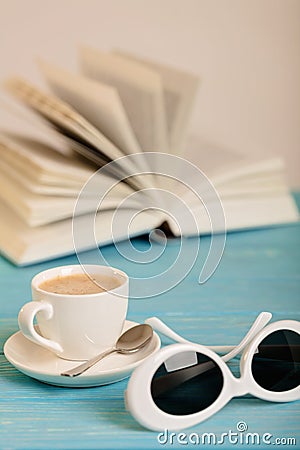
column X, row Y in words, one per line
column 260, row 322
column 162, row 328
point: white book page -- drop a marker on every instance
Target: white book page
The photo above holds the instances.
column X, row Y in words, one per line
column 92, row 143
column 180, row 90
column 40, row 162
column 225, row 166
column 25, row 245
column 98, row 102
column 240, row 183
column 140, row 90
column 39, row 209
column 16, row 118
column 42, row 185
column 233, row 174
column 30, row 184
column 252, row 212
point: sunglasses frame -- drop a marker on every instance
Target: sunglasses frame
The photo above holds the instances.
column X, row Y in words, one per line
column 140, row 404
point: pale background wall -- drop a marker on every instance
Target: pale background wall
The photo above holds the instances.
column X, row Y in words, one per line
column 246, row 51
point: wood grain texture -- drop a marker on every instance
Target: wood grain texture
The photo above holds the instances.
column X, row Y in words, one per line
column 259, row 271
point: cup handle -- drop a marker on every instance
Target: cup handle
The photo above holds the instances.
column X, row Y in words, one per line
column 25, row 319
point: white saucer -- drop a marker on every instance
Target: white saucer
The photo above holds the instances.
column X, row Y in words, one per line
column 45, row 366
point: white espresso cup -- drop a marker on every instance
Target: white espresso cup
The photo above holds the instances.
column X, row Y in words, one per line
column 76, row 326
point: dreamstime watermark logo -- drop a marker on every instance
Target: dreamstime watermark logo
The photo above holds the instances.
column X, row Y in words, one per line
column 138, row 193
column 240, row 436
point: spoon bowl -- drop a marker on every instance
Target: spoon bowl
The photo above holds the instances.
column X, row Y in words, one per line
column 134, row 339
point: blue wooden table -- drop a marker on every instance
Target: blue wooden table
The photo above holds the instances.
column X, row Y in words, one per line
column 259, row 271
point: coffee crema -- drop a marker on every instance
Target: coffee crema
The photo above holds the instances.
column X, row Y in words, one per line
column 80, row 284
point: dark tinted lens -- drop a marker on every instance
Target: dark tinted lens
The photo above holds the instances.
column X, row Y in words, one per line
column 188, row 390
column 276, row 365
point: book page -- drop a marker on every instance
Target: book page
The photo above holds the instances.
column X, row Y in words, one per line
column 246, row 213
column 89, row 141
column 24, row 245
column 140, row 90
column 180, row 90
column 16, row 118
column 99, row 103
column 42, row 169
column 231, row 174
column 39, row 209
column 228, row 178
column 226, row 167
column 41, row 163
column 30, row 184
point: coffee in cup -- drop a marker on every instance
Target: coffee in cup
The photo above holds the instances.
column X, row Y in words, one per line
column 80, row 284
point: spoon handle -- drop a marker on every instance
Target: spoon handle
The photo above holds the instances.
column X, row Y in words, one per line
column 78, row 370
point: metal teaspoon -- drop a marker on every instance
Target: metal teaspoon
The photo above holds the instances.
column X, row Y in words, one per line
column 129, row 342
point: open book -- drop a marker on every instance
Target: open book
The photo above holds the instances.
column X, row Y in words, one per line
column 116, row 117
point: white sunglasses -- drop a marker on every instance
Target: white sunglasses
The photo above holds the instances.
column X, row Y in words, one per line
column 184, row 384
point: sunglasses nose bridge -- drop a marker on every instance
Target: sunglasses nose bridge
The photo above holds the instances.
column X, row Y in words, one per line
column 238, row 387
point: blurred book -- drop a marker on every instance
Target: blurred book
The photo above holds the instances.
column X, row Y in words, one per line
column 119, row 105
